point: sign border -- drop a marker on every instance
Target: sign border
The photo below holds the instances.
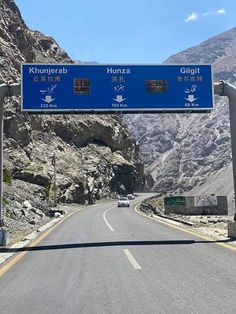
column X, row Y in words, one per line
column 117, row 111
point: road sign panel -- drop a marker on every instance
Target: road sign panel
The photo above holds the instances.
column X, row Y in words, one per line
column 76, row 88
column 174, row 200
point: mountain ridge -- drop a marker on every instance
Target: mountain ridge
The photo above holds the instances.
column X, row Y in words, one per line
column 182, row 150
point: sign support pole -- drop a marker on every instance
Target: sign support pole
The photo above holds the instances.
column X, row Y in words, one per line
column 6, row 90
column 223, row 88
column 1, row 164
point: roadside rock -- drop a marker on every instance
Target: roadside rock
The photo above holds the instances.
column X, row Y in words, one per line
column 27, row 205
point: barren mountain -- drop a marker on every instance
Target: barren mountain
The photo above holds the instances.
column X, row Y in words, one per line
column 183, row 150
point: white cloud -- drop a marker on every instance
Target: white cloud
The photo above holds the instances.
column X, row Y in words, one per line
column 221, row 11
column 191, row 17
column 207, row 13
column 194, row 16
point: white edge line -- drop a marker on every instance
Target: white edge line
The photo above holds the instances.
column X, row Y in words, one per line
column 104, row 217
column 132, row 260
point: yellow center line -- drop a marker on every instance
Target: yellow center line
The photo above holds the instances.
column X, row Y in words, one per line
column 228, row 246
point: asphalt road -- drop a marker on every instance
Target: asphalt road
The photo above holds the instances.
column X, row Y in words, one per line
column 106, row 259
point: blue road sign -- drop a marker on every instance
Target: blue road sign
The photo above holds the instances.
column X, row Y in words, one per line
column 76, row 88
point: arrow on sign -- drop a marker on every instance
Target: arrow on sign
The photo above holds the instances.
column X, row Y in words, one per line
column 48, row 99
column 191, row 98
column 119, row 98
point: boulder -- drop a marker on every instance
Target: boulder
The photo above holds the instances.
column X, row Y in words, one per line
column 27, row 205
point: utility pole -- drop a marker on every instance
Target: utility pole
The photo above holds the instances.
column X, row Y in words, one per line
column 6, row 90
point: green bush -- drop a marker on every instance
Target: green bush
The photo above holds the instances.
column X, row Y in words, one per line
column 47, row 191
column 7, row 176
column 5, row 201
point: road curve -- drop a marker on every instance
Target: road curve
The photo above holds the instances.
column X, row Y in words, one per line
column 106, row 259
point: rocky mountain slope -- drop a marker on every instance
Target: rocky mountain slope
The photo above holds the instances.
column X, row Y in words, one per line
column 95, row 155
column 183, row 150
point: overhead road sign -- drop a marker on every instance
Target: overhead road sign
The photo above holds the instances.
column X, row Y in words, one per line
column 76, row 88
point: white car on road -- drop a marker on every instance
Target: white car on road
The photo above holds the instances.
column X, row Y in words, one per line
column 130, row 196
column 123, row 202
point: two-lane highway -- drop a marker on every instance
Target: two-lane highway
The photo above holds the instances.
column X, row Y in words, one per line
column 106, row 259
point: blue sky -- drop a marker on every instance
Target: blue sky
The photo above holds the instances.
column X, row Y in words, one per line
column 128, row 31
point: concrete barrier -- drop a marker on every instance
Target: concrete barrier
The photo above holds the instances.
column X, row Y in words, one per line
column 232, row 230
column 4, row 237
